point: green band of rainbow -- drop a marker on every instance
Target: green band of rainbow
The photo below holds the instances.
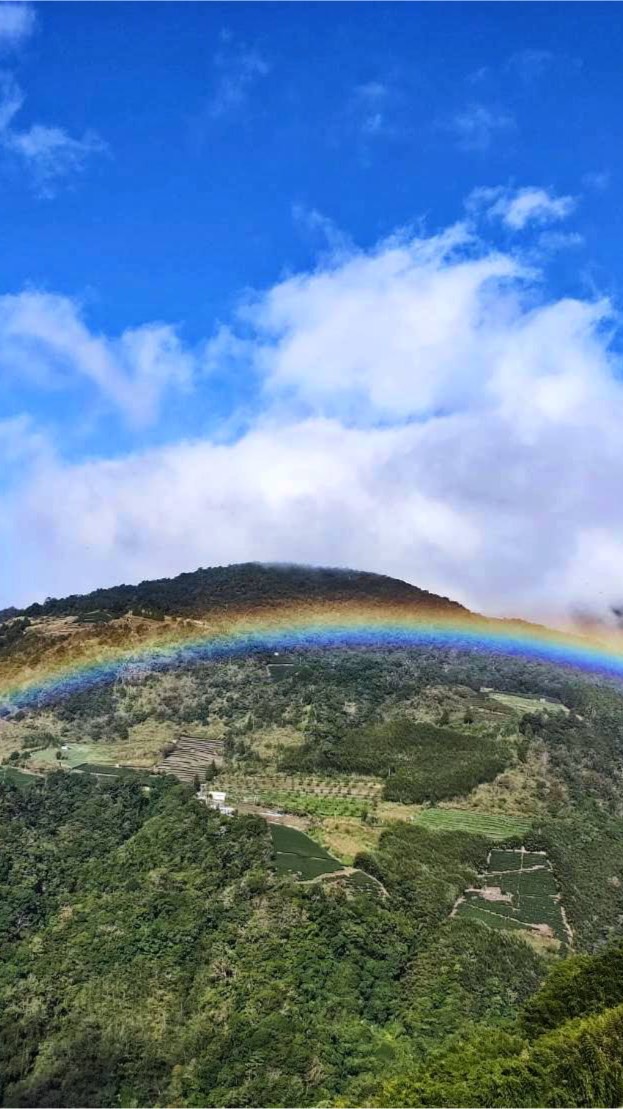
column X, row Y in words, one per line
column 303, row 629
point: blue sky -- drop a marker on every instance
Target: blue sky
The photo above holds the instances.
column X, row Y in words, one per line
column 293, row 281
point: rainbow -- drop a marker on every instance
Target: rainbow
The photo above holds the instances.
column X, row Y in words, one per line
column 301, row 627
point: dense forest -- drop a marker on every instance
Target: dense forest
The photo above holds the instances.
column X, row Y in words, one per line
column 151, row 955
column 154, row 951
column 420, row 762
column 245, row 584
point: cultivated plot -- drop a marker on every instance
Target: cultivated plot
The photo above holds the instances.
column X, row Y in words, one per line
column 519, row 891
column 12, row 776
column 492, row 825
column 522, row 702
column 298, row 853
column 71, row 755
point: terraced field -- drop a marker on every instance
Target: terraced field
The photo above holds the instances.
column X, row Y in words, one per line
column 519, row 892
column 192, row 756
column 480, row 824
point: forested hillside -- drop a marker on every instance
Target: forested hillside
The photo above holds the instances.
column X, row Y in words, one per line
column 444, row 926
column 152, row 956
column 245, row 584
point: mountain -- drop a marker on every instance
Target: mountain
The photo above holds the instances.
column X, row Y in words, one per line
column 247, row 585
column 406, row 890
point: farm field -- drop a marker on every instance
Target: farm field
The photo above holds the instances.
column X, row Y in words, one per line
column 279, row 670
column 523, row 703
column 304, row 795
column 304, row 804
column 191, row 756
column 77, row 753
column 356, row 881
column 99, row 758
column 481, row 824
column 107, row 770
column 520, row 891
column 345, row 837
column 248, row 786
column 360, row 880
column 295, row 852
column 17, row 777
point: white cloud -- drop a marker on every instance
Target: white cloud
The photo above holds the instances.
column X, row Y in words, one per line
column 431, row 414
column 552, row 241
column 517, row 208
column 394, row 333
column 11, row 100
column 599, row 180
column 311, row 491
column 17, row 22
column 48, row 154
column 51, row 154
column 238, row 68
column 369, row 105
column 44, row 339
column 323, row 229
column 20, row 442
column 530, row 64
column 477, row 125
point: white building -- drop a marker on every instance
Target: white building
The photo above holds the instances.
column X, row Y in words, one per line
column 215, row 798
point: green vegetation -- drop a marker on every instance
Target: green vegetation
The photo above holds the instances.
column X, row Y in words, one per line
column 528, row 704
column 519, row 891
column 294, row 851
column 73, row 756
column 309, row 804
column 11, row 775
column 130, row 919
column 360, row 881
column 154, row 952
column 479, row 824
column 244, row 584
column 11, row 633
column 420, row 762
column 106, row 770
column 586, row 851
column 564, row 1048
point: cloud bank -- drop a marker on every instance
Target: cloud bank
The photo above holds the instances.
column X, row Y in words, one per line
column 425, row 410
column 43, row 338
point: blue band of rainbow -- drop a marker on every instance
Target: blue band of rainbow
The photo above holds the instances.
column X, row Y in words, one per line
column 294, row 630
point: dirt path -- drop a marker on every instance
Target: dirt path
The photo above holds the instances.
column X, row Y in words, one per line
column 567, row 926
column 301, row 823
column 522, row 869
column 344, row 872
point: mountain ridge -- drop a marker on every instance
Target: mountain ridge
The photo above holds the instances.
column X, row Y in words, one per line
column 253, row 584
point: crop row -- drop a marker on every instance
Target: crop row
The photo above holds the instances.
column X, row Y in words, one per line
column 305, row 804
column 492, row 825
column 342, row 786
